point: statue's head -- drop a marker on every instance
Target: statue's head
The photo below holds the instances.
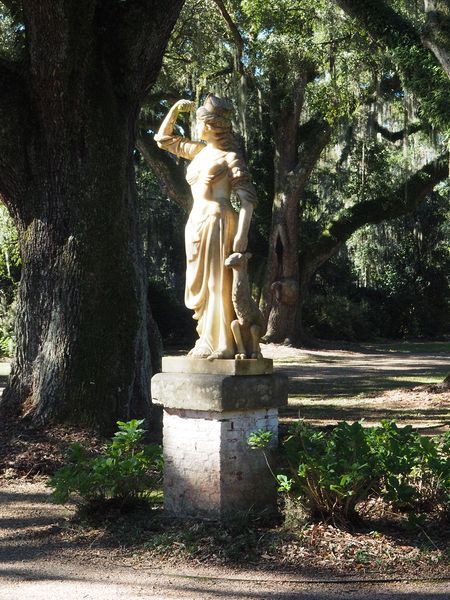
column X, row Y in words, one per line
column 214, row 117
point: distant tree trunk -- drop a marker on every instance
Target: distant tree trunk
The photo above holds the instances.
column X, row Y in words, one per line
column 294, row 162
column 67, row 176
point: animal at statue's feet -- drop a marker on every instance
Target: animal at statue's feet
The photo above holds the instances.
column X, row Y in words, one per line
column 249, row 327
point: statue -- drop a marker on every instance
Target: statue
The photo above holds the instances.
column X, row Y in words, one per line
column 214, row 230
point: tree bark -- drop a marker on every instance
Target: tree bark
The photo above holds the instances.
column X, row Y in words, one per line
column 83, row 347
column 293, row 167
column 436, row 32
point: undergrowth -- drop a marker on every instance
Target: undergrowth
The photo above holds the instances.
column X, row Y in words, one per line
column 126, row 473
column 331, row 472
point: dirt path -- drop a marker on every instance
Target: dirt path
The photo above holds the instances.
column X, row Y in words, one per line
column 38, row 561
column 326, row 386
column 345, row 372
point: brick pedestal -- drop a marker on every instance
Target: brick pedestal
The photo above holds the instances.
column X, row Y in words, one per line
column 209, row 469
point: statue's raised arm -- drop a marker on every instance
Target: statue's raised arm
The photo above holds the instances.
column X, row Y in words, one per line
column 177, row 144
column 214, row 230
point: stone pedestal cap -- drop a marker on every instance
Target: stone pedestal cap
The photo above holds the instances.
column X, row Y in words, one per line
column 219, row 393
column 186, row 364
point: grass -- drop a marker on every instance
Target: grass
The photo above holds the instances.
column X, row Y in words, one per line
column 413, row 347
column 358, row 387
column 306, row 358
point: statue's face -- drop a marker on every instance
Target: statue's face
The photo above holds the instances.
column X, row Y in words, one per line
column 204, row 131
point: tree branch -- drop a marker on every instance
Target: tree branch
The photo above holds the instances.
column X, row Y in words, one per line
column 416, row 64
column 395, row 136
column 136, row 35
column 314, row 136
column 129, row 37
column 235, row 33
column 436, row 32
column 400, row 201
column 169, row 173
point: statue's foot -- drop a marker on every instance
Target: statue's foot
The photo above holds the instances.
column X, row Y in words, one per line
column 257, row 355
column 240, row 356
column 200, row 352
column 220, row 354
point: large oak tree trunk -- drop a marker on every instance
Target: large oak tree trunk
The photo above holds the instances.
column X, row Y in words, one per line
column 282, row 272
column 297, row 150
column 83, row 353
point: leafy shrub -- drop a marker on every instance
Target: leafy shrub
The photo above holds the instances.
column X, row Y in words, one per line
column 126, row 471
column 336, row 317
column 331, row 472
column 414, row 470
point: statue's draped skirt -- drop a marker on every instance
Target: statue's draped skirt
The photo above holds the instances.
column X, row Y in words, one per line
column 209, row 241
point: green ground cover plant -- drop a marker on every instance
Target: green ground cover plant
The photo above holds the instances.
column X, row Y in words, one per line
column 331, row 472
column 126, row 472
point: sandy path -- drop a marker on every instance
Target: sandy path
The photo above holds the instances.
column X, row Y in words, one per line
column 322, row 366
column 327, row 386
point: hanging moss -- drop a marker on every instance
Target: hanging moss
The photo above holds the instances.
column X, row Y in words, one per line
column 419, row 70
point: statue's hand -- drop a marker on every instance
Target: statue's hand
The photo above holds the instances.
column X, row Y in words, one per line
column 240, row 243
column 183, row 106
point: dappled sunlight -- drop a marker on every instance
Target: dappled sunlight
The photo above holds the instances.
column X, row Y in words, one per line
column 426, row 410
column 28, row 521
column 376, row 382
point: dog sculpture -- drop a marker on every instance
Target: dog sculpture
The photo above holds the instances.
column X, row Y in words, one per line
column 249, row 327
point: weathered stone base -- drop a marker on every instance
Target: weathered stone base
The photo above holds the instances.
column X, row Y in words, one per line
column 209, row 469
column 185, row 364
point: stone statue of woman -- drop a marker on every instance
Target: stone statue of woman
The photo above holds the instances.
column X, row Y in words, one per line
column 214, row 229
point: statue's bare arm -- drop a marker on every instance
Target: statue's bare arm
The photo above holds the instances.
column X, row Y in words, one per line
column 246, row 193
column 245, row 215
column 175, row 144
column 168, row 124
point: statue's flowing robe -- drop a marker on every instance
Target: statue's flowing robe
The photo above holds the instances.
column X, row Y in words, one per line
column 209, row 236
